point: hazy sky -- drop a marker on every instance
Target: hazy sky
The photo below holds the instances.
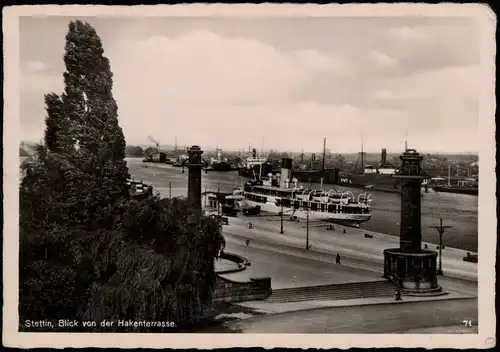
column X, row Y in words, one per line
column 284, row 83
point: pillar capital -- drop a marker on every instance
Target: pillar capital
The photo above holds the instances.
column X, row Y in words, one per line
column 410, row 168
column 194, row 159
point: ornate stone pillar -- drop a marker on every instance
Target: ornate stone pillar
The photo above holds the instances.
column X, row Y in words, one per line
column 194, row 164
column 413, row 268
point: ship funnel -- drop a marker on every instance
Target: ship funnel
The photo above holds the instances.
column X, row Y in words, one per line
column 286, row 172
column 383, row 159
column 254, row 153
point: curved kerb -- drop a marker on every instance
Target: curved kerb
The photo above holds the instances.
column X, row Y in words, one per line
column 242, row 263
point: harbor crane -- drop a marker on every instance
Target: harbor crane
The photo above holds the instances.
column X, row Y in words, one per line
column 154, row 141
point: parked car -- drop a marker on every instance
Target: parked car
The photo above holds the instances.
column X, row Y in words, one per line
column 222, row 219
column 252, row 211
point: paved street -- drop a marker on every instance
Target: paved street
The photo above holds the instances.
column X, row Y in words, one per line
column 354, row 248
column 291, row 267
column 393, row 318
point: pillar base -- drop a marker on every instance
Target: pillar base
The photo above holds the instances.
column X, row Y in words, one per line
column 414, row 273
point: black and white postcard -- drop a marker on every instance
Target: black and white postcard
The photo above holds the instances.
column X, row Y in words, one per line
column 253, row 175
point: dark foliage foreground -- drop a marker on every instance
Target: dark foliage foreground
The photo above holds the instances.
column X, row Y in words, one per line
column 137, row 260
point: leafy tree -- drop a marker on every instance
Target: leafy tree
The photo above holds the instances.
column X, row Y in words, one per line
column 335, row 160
column 134, row 151
column 88, row 97
column 87, row 250
column 89, row 105
column 149, row 151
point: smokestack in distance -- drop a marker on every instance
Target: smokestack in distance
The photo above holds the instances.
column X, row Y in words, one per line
column 383, row 160
column 286, row 172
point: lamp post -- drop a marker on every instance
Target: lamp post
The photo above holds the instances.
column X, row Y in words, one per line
column 307, row 229
column 308, row 206
column 281, row 214
column 440, row 230
column 206, row 196
column 218, row 203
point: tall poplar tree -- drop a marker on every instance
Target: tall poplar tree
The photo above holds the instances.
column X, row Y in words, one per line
column 89, row 105
column 86, row 145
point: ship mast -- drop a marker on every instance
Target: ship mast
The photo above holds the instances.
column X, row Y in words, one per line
column 362, row 156
column 260, row 167
column 260, row 157
column 218, row 154
column 406, row 142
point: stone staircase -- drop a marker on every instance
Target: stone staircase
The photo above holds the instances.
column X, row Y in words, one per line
column 380, row 288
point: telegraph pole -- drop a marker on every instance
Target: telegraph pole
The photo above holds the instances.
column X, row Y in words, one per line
column 218, row 202
column 440, row 230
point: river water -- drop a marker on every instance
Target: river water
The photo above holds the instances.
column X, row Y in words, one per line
column 457, row 210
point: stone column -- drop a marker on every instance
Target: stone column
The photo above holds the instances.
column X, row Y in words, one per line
column 410, row 240
column 409, row 270
column 194, row 165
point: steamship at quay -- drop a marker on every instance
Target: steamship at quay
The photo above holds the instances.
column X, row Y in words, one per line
column 219, row 163
column 371, row 176
column 254, row 165
column 275, row 195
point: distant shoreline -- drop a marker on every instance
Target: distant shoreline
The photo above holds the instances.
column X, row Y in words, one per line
column 369, row 154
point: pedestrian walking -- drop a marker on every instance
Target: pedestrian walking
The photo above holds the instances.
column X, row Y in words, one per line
column 223, row 245
column 250, row 225
column 337, row 259
column 397, row 295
